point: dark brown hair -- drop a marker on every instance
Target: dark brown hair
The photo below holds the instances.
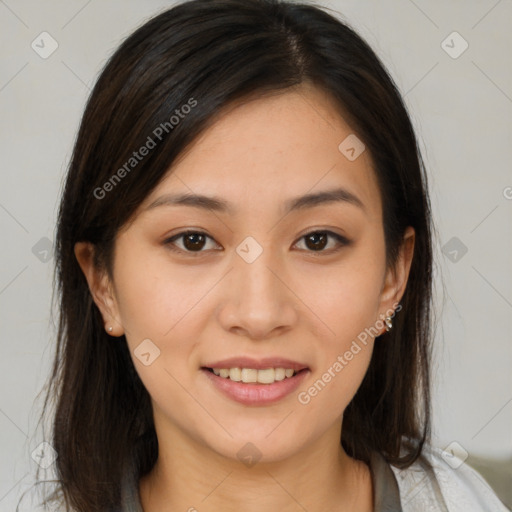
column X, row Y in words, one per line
column 215, row 53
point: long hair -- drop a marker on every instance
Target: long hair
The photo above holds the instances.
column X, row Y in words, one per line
column 207, row 55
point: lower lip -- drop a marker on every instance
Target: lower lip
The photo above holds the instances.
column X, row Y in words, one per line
column 253, row 393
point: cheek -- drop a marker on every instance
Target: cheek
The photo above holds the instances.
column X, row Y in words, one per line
column 155, row 296
column 346, row 297
column 164, row 304
column 157, row 303
column 343, row 354
column 342, row 377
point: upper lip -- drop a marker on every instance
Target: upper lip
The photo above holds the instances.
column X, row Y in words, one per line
column 257, row 364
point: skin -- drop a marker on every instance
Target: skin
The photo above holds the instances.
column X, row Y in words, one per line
column 292, row 301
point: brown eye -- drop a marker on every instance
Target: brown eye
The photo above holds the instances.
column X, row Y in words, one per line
column 316, row 241
column 194, row 241
column 191, row 242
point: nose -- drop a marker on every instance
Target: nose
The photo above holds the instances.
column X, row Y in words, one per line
column 259, row 302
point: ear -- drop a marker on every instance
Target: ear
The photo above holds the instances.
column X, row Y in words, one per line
column 396, row 278
column 100, row 287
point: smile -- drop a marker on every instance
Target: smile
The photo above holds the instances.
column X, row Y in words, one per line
column 249, row 390
column 252, row 375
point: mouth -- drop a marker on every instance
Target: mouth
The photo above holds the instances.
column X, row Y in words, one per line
column 266, row 384
column 254, row 375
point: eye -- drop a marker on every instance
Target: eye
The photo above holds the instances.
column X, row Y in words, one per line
column 316, row 241
column 193, row 241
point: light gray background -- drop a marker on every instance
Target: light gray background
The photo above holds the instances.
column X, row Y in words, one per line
column 461, row 108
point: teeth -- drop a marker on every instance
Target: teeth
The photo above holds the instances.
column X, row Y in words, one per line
column 280, row 373
column 251, row 375
column 235, row 374
column 266, row 376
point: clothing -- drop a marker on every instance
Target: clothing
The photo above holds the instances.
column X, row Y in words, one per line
column 444, row 489
column 428, row 485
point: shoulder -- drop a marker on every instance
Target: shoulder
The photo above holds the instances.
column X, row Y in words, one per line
column 440, row 481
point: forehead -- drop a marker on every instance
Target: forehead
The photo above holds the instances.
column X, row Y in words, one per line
column 264, row 151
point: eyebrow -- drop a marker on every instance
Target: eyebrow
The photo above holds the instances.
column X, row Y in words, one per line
column 339, row 195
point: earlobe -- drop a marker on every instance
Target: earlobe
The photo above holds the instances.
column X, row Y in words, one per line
column 100, row 288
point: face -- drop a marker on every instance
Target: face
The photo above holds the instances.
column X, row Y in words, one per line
column 264, row 277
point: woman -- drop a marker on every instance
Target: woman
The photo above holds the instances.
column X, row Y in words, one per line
column 244, row 266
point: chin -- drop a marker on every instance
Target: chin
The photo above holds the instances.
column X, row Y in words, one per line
column 250, row 447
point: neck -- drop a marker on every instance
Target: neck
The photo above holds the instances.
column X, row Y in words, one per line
column 191, row 477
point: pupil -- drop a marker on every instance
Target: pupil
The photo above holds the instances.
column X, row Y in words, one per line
column 316, row 238
column 191, row 241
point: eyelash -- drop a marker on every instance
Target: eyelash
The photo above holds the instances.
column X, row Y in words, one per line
column 341, row 240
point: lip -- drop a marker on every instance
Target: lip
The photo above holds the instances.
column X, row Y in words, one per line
column 257, row 364
column 253, row 393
